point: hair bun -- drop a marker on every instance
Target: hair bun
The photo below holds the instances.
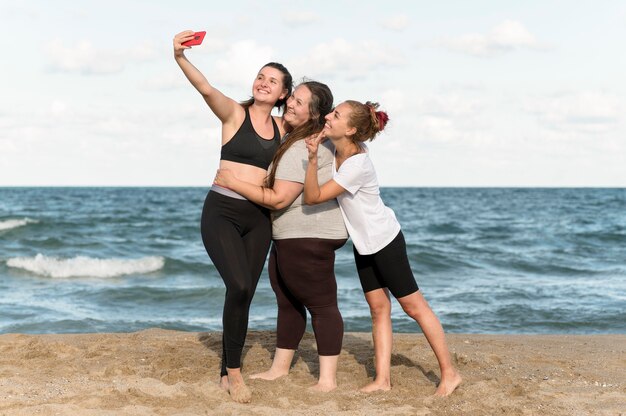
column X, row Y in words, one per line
column 367, row 121
column 382, row 118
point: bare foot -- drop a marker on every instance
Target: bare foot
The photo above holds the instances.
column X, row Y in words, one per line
column 224, row 383
column 448, row 384
column 323, row 387
column 239, row 392
column 269, row 374
column 383, row 385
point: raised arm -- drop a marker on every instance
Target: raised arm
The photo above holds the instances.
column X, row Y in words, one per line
column 280, row 196
column 223, row 107
column 313, row 193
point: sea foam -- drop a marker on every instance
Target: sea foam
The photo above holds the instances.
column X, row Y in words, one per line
column 81, row 266
column 15, row 223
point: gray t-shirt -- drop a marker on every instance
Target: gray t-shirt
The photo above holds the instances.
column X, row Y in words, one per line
column 307, row 221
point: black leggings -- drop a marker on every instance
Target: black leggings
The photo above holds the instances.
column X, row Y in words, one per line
column 236, row 234
column 302, row 274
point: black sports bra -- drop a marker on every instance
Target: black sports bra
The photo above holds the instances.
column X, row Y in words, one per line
column 249, row 148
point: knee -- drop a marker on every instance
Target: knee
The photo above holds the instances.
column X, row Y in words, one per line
column 415, row 309
column 380, row 310
column 326, row 312
column 285, row 304
column 411, row 310
column 240, row 293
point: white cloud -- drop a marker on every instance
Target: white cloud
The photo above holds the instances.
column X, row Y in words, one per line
column 428, row 134
column 212, row 44
column 77, row 144
column 450, row 105
column 17, row 10
column 463, row 139
column 581, row 112
column 508, row 36
column 295, row 19
column 232, row 73
column 86, row 59
column 144, row 123
column 396, row 23
column 345, row 59
column 394, row 101
column 437, row 116
column 422, row 146
column 165, row 81
column 173, row 78
column 241, row 63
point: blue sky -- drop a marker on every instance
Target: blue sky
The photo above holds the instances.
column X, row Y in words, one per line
column 480, row 93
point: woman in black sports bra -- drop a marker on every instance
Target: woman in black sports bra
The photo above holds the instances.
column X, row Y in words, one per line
column 236, row 232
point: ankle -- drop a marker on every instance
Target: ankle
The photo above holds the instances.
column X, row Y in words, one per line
column 449, row 373
column 384, row 379
column 279, row 369
column 327, row 381
column 235, row 376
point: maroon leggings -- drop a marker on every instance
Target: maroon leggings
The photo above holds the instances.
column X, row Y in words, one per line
column 302, row 274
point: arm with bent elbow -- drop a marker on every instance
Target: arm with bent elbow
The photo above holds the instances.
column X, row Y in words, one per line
column 313, row 193
column 278, row 197
column 222, row 106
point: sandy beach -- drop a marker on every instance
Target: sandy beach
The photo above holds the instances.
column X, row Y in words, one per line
column 158, row 372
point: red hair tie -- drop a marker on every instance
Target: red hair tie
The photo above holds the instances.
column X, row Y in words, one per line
column 383, row 118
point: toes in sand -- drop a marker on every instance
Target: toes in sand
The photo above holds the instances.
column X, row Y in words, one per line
column 323, row 387
column 240, row 393
column 376, row 386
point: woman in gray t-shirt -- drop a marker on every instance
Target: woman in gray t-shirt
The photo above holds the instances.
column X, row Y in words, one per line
column 302, row 258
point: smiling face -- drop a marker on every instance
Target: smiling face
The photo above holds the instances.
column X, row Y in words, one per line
column 268, row 86
column 298, row 109
column 338, row 122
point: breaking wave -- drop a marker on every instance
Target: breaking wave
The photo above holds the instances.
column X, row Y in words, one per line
column 81, row 266
column 15, row 223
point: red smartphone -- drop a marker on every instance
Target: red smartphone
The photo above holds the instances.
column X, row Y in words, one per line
column 198, row 37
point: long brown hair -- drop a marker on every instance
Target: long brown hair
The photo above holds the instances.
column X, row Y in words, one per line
column 320, row 105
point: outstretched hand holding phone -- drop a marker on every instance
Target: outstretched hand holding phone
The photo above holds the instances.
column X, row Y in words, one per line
column 187, row 39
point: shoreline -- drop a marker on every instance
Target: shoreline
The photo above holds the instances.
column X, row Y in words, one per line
column 162, row 372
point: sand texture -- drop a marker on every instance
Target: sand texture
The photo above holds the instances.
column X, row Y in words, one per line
column 158, row 372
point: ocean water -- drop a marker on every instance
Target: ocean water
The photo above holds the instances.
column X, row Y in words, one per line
column 491, row 260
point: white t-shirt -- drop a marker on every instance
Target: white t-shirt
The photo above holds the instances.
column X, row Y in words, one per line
column 370, row 223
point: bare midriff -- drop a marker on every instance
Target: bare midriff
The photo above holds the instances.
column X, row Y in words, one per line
column 246, row 173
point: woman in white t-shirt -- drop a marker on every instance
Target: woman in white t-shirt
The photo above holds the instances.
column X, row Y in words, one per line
column 379, row 246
